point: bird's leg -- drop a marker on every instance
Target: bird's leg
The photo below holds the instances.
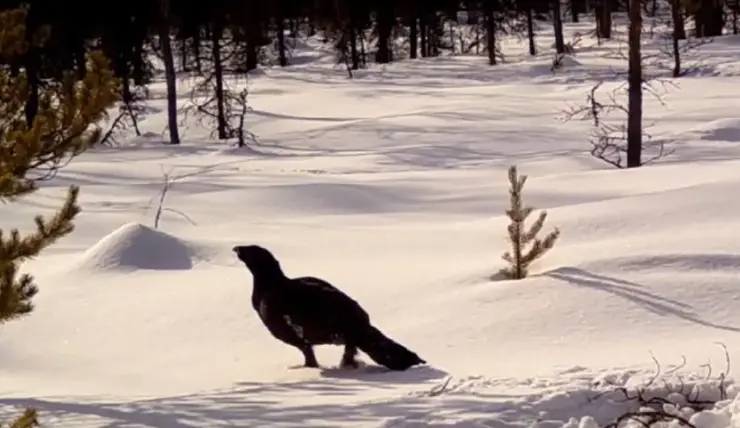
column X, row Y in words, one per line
column 348, row 359
column 310, row 357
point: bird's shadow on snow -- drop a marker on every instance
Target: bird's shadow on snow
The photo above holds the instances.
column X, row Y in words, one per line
column 339, row 403
column 379, row 374
column 635, row 293
column 248, row 404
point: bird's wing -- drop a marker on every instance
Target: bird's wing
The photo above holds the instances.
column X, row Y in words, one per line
column 323, row 300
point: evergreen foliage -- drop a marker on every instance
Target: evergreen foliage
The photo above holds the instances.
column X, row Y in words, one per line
column 519, row 259
column 29, row 151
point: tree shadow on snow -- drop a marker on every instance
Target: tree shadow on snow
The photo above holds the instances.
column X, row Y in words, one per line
column 321, row 400
column 685, row 262
column 635, row 293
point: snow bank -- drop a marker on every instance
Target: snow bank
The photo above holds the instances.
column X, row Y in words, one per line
column 703, row 404
column 136, row 246
column 612, row 400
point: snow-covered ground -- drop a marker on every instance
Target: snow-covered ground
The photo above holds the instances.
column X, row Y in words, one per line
column 393, row 187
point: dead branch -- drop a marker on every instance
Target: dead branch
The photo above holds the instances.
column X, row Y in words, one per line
column 670, row 56
column 114, row 127
column 648, row 418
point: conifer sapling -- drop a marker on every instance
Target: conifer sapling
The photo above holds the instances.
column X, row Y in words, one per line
column 519, row 259
column 29, row 419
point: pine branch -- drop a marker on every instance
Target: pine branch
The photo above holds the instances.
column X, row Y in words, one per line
column 59, row 131
column 536, row 228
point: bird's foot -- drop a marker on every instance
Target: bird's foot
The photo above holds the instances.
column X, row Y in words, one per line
column 309, row 358
column 311, row 363
column 349, row 363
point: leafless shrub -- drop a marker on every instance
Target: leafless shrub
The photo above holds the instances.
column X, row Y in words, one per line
column 128, row 116
column 219, row 93
column 673, row 402
column 609, row 138
column 570, row 51
column 671, row 54
column 204, row 107
column 167, row 182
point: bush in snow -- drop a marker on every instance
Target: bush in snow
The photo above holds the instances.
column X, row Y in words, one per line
column 518, row 258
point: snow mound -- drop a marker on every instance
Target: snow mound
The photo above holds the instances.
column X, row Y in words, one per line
column 136, row 246
column 569, row 61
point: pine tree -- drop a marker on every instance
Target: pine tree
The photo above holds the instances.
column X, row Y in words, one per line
column 29, row 419
column 519, row 259
column 59, row 131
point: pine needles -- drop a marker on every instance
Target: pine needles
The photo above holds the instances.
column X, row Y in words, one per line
column 59, row 131
column 519, row 259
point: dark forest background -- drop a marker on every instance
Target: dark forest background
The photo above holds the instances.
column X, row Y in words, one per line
column 221, row 37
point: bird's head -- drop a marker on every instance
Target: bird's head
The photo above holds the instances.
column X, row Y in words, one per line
column 258, row 260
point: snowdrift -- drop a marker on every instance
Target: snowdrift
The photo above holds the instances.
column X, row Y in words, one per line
column 135, row 246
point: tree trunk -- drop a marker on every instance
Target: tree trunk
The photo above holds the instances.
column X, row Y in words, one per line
column 709, row 17
column 281, row 41
column 490, row 31
column 603, row 13
column 363, row 53
column 678, row 33
column 423, row 30
column 433, row 35
column 413, row 38
column 557, row 23
column 575, row 9
column 634, row 81
column 384, row 23
column 530, row 33
column 353, row 47
column 196, row 49
column 33, row 68
column 184, row 56
column 169, row 67
column 253, row 36
column 679, row 26
column 218, row 72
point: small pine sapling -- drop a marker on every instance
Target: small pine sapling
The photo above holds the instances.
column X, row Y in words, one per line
column 29, row 419
column 519, row 259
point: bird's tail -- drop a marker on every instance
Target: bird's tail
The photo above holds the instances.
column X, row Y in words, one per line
column 385, row 351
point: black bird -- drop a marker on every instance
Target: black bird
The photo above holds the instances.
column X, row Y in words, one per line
column 307, row 311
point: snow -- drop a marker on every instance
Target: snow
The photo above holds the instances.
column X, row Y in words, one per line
column 135, row 246
column 393, row 187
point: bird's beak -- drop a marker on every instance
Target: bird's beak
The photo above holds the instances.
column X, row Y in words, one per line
column 235, row 249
